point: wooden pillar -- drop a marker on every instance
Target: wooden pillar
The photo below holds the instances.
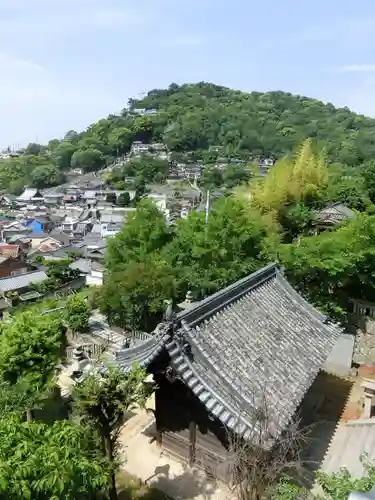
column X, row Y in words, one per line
column 192, row 439
column 158, row 436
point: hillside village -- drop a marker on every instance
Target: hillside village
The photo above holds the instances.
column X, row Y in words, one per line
column 194, row 301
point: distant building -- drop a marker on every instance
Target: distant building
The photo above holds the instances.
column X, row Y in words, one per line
column 331, row 216
column 138, row 148
column 31, row 195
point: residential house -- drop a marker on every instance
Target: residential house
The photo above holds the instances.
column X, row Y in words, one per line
column 10, row 266
column 331, row 216
column 265, row 164
column 94, row 247
column 192, row 171
column 9, row 250
column 31, row 195
column 160, row 201
column 96, row 275
column 40, row 224
column 138, row 148
column 69, row 225
column 93, row 271
column 12, row 229
column 22, row 282
column 53, row 198
column 81, row 229
column 23, row 242
column 145, row 111
column 109, row 229
column 7, row 200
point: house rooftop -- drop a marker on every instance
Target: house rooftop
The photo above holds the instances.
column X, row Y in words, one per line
column 21, row 281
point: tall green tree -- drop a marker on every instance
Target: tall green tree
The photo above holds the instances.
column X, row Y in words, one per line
column 63, row 154
column 103, row 402
column 88, row 160
column 30, row 349
column 232, row 244
column 123, row 200
column 77, row 314
column 145, row 232
column 135, row 297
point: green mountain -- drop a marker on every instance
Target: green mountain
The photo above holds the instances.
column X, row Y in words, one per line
column 273, row 123
column 205, row 119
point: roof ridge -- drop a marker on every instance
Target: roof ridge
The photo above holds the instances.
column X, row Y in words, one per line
column 217, row 301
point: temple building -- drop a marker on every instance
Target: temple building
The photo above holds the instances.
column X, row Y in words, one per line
column 219, row 361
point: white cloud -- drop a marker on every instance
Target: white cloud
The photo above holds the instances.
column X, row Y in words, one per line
column 356, row 68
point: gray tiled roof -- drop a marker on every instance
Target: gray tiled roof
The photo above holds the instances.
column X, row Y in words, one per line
column 21, row 281
column 256, row 340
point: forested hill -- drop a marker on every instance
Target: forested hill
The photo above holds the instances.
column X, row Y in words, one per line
column 201, row 115
column 206, row 119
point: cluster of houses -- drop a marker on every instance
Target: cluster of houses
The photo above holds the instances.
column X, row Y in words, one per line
column 70, row 220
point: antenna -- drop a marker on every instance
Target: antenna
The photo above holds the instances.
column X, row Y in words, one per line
column 207, row 205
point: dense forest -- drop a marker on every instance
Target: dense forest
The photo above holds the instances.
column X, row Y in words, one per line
column 206, row 120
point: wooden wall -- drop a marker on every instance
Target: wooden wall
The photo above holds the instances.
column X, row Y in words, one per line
column 187, row 431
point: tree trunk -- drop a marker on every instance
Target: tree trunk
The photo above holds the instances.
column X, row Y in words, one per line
column 109, row 454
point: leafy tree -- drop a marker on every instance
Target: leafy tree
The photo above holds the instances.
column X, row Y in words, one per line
column 296, row 219
column 103, row 402
column 33, row 149
column 16, row 398
column 124, row 199
column 31, row 347
column 60, row 272
column 368, row 173
column 300, row 179
column 212, row 178
column 334, row 266
column 135, row 298
column 349, row 188
column 89, row 159
column 46, row 175
column 63, row 154
column 77, row 314
column 232, row 244
column 111, row 198
column 41, row 462
column 145, row 232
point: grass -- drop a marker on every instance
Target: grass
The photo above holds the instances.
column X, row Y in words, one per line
column 131, row 488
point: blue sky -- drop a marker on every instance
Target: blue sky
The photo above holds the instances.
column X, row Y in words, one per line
column 66, row 63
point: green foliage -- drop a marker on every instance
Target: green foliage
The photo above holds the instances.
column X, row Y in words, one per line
column 146, row 167
column 88, row 159
column 111, row 198
column 124, row 199
column 338, row 486
column 33, row 149
column 103, row 403
column 46, row 175
column 274, row 123
column 63, row 154
column 334, row 266
column 30, row 348
column 16, row 398
column 230, row 176
column 135, row 298
column 349, row 188
column 43, row 462
column 145, row 232
column 77, row 314
column 231, row 245
column 368, row 173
